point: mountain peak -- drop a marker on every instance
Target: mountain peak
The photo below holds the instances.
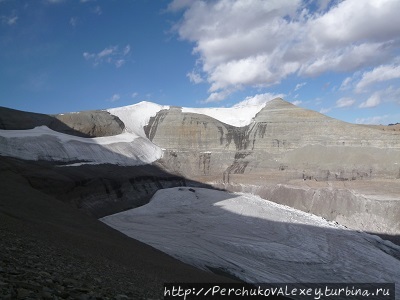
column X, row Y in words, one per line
column 278, row 103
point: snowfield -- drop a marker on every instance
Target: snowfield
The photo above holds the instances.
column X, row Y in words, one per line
column 42, row 143
column 238, row 116
column 129, row 148
column 136, row 116
column 257, row 240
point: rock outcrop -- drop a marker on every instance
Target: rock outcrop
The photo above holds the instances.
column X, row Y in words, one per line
column 283, row 144
column 282, row 137
column 50, row 250
column 84, row 124
column 286, row 144
column 97, row 190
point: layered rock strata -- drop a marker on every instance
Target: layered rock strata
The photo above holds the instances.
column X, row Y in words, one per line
column 286, row 143
column 95, row 123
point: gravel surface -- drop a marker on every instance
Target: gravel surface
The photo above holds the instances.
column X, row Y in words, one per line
column 31, row 269
column 50, row 250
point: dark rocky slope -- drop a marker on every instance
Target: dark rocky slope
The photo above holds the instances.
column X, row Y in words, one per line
column 343, row 172
column 50, row 250
column 96, row 190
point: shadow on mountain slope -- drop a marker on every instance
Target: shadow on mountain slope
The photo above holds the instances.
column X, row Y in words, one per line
column 42, row 234
column 51, row 247
column 256, row 241
column 83, row 124
column 98, row 190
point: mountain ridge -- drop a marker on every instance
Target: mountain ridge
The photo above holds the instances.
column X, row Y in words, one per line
column 282, row 143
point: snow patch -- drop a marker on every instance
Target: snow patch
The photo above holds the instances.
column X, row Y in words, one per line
column 136, row 116
column 42, row 143
column 238, row 116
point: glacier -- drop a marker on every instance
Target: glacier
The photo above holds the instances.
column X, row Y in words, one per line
column 130, row 148
column 42, row 143
column 257, row 240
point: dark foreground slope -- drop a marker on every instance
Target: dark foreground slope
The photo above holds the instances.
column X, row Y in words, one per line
column 49, row 248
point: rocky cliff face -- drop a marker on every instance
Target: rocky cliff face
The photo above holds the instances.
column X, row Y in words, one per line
column 84, row 124
column 282, row 137
column 282, row 145
column 97, row 190
column 289, row 145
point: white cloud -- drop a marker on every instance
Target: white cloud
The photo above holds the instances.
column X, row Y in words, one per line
column 345, row 102
column 111, row 55
column 324, row 110
column 73, row 21
column 299, row 86
column 107, row 51
column 9, row 20
column 372, row 101
column 134, row 95
column 217, row 96
column 373, row 120
column 297, row 102
column 195, row 77
column 378, row 74
column 177, row 5
column 260, row 43
column 119, row 63
column 97, row 10
column 127, row 49
column 345, row 84
column 114, row 98
column 258, row 99
column 322, row 4
column 390, row 94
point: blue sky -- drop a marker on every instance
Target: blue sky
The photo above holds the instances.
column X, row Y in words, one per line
column 341, row 58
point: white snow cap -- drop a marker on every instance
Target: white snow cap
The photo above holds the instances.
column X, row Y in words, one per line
column 136, row 116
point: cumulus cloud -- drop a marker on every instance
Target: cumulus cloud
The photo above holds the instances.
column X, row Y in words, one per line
column 390, row 94
column 217, row 96
column 345, row 102
column 110, row 55
column 258, row 99
column 378, row 74
column 372, row 101
column 259, row 43
column 179, row 5
column 194, row 77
